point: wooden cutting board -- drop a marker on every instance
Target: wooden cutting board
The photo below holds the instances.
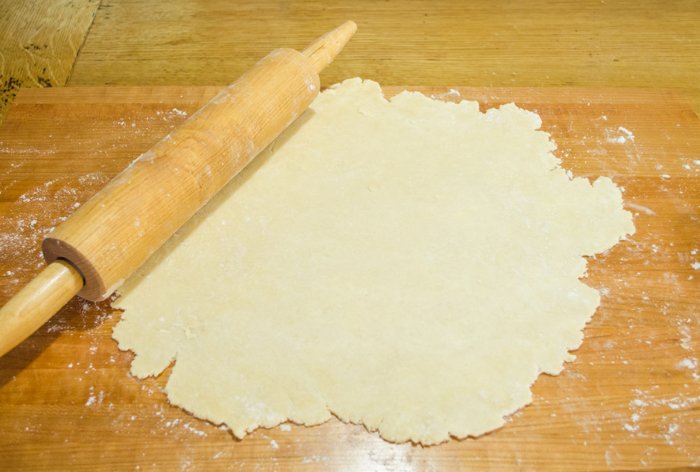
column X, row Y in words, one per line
column 630, row 400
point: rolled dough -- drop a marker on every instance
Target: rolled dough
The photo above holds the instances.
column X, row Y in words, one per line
column 411, row 265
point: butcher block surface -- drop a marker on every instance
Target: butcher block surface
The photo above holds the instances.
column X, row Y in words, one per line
column 630, row 400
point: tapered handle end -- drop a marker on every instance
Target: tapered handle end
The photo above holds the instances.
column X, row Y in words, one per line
column 38, row 301
column 322, row 51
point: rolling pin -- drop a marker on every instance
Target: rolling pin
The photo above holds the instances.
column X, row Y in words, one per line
column 110, row 236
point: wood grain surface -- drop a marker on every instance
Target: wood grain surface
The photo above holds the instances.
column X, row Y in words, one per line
column 631, row 400
column 39, row 42
column 629, row 43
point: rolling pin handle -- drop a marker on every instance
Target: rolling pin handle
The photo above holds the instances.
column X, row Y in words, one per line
column 322, row 51
column 38, row 301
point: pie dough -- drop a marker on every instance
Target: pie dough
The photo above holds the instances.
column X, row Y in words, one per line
column 410, row 265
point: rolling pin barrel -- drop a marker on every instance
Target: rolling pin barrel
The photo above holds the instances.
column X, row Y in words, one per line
column 109, row 237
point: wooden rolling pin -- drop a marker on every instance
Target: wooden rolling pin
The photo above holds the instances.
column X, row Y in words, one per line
column 110, row 236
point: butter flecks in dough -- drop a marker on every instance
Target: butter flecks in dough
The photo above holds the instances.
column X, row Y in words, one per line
column 411, row 265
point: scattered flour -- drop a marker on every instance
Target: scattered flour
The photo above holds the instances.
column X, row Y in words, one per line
column 688, row 363
column 628, row 134
column 192, row 429
column 621, row 135
column 631, row 427
column 641, row 208
column 314, row 458
column 685, row 338
column 95, row 399
column 670, row 433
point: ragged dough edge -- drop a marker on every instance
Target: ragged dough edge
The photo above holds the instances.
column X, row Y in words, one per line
column 143, row 366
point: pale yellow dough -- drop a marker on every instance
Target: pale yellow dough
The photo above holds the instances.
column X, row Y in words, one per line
column 411, row 265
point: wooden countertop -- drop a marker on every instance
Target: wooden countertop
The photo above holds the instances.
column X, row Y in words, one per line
column 630, row 400
column 66, row 401
column 620, row 43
